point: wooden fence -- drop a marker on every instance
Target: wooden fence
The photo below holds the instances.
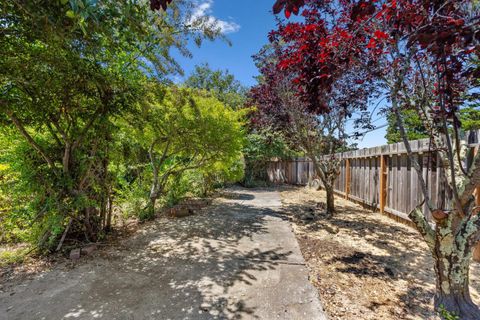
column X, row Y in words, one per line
column 380, row 177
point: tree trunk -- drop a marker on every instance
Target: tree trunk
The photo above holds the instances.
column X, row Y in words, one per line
column 155, row 192
column 330, row 200
column 327, row 174
column 89, row 233
column 108, row 223
column 452, row 280
column 153, row 202
column 66, row 158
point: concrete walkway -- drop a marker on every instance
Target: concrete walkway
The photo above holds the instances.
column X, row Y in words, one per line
column 238, row 260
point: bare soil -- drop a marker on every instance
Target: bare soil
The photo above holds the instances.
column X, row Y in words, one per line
column 364, row 264
column 237, row 259
column 33, row 263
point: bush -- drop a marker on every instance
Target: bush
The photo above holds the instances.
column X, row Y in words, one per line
column 259, row 150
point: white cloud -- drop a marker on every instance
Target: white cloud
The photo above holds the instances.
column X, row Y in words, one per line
column 203, row 10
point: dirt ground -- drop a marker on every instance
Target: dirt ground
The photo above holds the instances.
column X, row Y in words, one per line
column 237, row 259
column 364, row 264
column 25, row 267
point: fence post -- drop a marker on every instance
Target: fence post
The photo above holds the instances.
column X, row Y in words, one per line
column 347, row 178
column 383, row 183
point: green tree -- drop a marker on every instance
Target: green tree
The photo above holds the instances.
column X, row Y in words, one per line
column 182, row 130
column 469, row 117
column 68, row 70
column 413, row 126
column 261, row 147
column 221, row 83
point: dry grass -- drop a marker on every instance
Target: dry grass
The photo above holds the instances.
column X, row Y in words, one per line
column 365, row 265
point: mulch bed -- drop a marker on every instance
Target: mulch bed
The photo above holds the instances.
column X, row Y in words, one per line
column 364, row 265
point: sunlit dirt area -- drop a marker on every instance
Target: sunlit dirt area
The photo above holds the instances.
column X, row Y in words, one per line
column 235, row 259
column 364, row 264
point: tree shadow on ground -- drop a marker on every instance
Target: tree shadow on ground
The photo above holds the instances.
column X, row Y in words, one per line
column 387, row 251
column 172, row 269
column 230, row 194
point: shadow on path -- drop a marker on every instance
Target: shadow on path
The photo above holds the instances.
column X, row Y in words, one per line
column 230, row 262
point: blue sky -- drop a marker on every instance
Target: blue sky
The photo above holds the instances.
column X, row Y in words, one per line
column 246, row 24
column 253, row 21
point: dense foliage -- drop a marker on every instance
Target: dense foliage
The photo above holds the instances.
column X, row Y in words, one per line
column 80, row 82
column 262, row 147
column 469, row 117
column 178, row 130
column 220, row 83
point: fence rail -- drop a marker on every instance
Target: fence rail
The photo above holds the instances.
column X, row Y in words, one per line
column 380, row 177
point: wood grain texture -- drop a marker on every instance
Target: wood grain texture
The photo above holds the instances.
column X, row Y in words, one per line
column 381, row 177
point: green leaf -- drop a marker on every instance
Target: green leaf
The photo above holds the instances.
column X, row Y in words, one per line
column 71, row 14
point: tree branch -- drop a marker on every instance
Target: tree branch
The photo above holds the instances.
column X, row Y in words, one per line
column 29, row 139
column 413, row 160
column 422, row 225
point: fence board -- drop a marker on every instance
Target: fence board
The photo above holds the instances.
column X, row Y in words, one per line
column 360, row 175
